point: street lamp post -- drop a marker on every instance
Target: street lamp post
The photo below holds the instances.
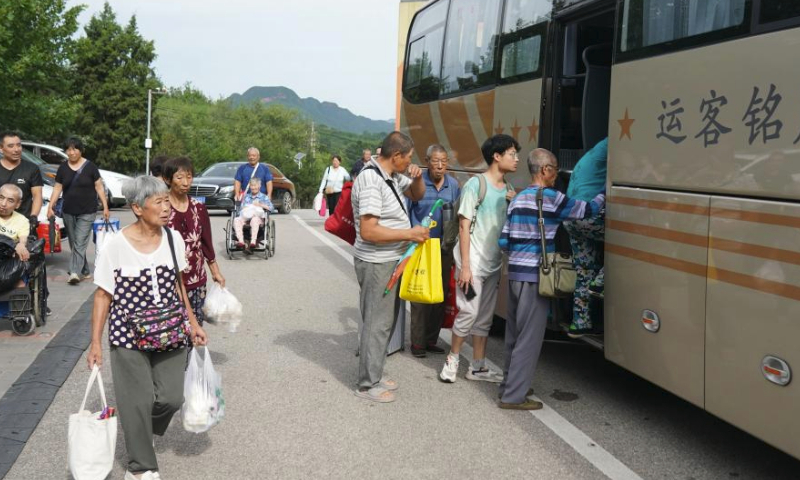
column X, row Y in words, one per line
column 148, row 142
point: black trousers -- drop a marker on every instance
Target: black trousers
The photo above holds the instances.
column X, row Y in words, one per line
column 332, row 200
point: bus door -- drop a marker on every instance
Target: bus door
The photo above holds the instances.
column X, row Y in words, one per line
column 580, row 80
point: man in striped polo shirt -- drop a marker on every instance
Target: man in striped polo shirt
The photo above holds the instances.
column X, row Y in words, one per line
column 527, row 310
column 383, row 230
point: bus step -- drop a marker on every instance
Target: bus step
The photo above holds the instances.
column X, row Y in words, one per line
column 593, row 339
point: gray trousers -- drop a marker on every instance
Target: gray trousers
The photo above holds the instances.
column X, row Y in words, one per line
column 79, row 229
column 426, row 320
column 378, row 314
column 525, row 326
column 149, row 390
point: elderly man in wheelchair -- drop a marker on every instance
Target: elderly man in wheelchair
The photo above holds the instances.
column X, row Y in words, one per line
column 21, row 266
column 254, row 210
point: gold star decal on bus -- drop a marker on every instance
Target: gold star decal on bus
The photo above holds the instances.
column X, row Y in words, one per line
column 533, row 130
column 515, row 129
column 625, row 126
column 500, row 129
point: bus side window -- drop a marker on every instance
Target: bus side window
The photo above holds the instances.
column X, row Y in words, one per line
column 673, row 24
column 522, row 41
column 470, row 45
column 424, row 62
column 775, row 10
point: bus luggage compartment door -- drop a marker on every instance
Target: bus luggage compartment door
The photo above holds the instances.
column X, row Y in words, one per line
column 753, row 313
column 655, row 264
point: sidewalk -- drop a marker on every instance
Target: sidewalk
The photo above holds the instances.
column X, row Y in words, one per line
column 33, row 368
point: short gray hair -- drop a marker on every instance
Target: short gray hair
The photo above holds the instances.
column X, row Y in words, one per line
column 17, row 191
column 253, row 149
column 435, row 148
column 538, row 159
column 255, row 181
column 137, row 190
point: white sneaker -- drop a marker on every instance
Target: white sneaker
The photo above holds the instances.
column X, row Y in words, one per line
column 148, row 475
column 484, row 375
column 74, row 279
column 449, row 370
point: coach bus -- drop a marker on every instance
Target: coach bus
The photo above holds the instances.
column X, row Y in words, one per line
column 700, row 100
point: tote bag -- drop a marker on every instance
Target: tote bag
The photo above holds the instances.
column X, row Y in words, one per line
column 91, row 442
column 422, row 277
column 341, row 223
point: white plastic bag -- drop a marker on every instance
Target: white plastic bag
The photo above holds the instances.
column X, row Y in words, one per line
column 318, row 202
column 103, row 236
column 203, row 404
column 91, row 442
column 223, row 307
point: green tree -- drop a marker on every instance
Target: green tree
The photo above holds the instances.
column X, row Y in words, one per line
column 35, row 44
column 113, row 65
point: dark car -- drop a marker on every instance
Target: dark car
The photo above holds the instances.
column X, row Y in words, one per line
column 215, row 187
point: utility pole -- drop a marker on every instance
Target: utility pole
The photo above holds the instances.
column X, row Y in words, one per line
column 313, row 141
column 148, row 142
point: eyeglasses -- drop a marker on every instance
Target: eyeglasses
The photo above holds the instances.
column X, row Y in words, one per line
column 556, row 169
column 512, row 153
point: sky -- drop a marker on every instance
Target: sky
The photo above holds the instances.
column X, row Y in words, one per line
column 342, row 51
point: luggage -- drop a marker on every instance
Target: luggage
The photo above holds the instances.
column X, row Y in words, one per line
column 450, row 307
column 43, row 231
column 398, row 338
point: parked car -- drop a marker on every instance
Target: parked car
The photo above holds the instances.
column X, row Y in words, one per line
column 215, row 186
column 49, row 174
column 54, row 156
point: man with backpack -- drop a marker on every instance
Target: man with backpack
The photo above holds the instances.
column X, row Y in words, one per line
column 481, row 215
column 426, row 320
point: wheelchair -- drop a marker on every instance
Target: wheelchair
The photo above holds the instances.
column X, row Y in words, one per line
column 265, row 243
column 26, row 307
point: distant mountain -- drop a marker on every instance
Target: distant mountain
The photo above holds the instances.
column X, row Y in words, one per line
column 326, row 113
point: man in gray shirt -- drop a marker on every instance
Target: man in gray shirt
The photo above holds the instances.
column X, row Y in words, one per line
column 383, row 231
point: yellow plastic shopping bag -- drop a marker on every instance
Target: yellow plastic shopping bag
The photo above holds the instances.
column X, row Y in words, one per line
column 422, row 277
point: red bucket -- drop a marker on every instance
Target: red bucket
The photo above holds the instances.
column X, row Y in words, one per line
column 43, row 231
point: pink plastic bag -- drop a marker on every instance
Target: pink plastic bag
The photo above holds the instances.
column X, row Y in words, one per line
column 323, row 207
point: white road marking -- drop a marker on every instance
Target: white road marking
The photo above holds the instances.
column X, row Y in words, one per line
column 574, row 437
column 325, row 240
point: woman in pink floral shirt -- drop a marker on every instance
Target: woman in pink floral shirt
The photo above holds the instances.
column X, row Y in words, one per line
column 190, row 218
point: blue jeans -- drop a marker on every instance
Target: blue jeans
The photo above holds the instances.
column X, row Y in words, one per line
column 79, row 229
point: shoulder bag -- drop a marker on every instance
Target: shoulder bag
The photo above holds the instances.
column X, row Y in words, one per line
column 557, row 275
column 158, row 329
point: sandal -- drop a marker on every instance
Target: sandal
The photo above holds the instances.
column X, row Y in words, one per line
column 526, row 405
column 376, row 394
column 388, row 384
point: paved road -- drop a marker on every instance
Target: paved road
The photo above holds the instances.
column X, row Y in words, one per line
column 289, row 373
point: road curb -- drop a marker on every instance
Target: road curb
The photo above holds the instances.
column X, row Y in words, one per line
column 25, row 403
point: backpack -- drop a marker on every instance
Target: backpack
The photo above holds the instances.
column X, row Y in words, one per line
column 451, row 228
column 341, row 223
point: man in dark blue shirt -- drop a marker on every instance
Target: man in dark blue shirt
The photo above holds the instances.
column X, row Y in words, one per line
column 252, row 169
column 426, row 320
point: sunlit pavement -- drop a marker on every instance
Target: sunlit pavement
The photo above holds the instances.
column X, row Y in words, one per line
column 289, row 373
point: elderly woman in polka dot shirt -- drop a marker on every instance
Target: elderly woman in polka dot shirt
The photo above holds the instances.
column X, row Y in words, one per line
column 134, row 273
